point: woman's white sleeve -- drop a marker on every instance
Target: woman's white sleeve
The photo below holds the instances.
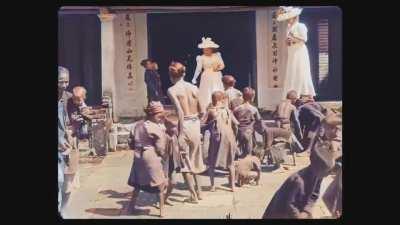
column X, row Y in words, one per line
column 301, row 32
column 220, row 60
column 199, row 67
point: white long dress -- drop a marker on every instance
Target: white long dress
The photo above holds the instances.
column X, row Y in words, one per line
column 298, row 72
column 210, row 80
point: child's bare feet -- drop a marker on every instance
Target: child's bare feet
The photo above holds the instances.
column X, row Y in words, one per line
column 192, row 199
column 199, row 195
column 212, row 189
column 162, row 213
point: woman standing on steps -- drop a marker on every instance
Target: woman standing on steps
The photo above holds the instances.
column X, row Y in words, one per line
column 298, row 71
column 211, row 64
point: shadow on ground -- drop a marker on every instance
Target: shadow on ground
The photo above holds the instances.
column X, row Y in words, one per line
column 268, row 168
column 144, row 200
column 115, row 194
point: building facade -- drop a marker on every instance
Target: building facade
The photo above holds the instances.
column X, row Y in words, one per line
column 251, row 40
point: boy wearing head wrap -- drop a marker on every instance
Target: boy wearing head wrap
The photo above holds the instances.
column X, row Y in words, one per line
column 148, row 142
column 298, row 194
column 235, row 97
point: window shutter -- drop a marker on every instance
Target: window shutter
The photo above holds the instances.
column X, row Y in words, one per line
column 323, row 50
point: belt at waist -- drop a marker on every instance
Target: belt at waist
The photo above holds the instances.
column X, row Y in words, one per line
column 284, row 120
column 296, row 44
column 142, row 148
column 191, row 117
column 210, row 70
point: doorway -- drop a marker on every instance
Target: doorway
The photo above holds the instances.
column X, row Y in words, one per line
column 175, row 36
column 79, row 50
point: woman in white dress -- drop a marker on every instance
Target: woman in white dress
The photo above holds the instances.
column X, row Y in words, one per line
column 298, row 72
column 211, row 64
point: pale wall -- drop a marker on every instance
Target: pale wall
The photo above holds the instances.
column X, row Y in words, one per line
column 267, row 96
column 131, row 99
column 130, row 103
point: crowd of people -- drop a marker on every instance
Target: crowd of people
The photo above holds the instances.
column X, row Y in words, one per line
column 165, row 144
column 214, row 127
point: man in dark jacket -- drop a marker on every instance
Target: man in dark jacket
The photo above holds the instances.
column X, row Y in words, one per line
column 298, row 194
column 152, row 80
column 310, row 116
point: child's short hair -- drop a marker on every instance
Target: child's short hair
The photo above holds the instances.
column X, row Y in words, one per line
column 78, row 91
column 217, row 96
column 248, row 93
column 291, row 95
column 145, row 61
column 229, row 80
column 176, row 72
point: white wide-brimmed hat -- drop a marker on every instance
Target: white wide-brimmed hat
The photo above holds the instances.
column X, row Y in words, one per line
column 285, row 13
column 207, row 43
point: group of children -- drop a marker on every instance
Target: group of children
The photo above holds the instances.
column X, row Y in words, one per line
column 166, row 144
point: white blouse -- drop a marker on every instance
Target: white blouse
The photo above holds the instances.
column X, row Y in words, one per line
column 298, row 30
column 208, row 63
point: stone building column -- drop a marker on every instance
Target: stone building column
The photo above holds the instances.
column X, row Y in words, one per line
column 269, row 97
column 107, row 59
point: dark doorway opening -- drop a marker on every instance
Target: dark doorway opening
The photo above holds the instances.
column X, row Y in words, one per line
column 79, row 50
column 176, row 36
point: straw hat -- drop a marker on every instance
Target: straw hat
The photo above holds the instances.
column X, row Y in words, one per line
column 285, row 13
column 207, row 43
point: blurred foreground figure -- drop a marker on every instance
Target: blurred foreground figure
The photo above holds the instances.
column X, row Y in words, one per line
column 296, row 197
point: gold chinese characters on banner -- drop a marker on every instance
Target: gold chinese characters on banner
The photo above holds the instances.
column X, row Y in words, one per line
column 129, row 50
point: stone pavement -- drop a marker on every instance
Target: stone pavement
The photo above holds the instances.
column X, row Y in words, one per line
column 104, row 193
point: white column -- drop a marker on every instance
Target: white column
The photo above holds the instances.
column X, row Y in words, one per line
column 131, row 99
column 262, row 55
column 107, row 58
column 268, row 98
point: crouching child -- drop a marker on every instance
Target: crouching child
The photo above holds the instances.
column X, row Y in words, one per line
column 248, row 169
